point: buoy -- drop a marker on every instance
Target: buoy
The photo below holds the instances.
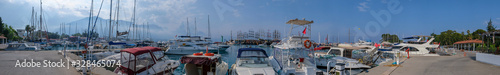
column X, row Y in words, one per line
column 197, row 54
column 209, row 54
column 307, row 43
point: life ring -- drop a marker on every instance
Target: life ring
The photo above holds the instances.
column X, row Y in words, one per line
column 307, row 43
column 183, row 44
column 197, row 54
column 209, row 54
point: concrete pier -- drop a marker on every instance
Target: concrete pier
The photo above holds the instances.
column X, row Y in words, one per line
column 8, row 61
column 437, row 65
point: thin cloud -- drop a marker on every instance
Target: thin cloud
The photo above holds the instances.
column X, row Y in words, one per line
column 363, row 7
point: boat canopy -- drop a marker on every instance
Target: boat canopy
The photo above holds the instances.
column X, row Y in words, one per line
column 189, row 36
column 251, row 52
column 299, row 22
column 322, row 48
column 199, row 60
column 140, row 50
column 411, row 37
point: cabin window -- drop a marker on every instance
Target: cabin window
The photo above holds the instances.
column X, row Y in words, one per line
column 158, row 55
column 143, row 61
column 396, row 47
column 411, row 49
column 335, row 51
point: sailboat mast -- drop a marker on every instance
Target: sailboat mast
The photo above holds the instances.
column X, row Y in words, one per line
column 117, row 15
column 195, row 29
column 40, row 19
column 209, row 26
column 110, row 13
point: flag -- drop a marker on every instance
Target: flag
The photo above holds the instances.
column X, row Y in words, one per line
column 326, row 38
column 304, row 32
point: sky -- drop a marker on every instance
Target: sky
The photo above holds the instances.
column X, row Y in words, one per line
column 339, row 19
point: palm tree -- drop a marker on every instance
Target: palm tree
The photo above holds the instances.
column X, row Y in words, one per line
column 27, row 28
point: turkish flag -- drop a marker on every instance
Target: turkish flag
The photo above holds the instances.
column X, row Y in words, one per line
column 304, row 32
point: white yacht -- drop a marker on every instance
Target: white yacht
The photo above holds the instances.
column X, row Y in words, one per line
column 204, row 64
column 188, row 45
column 252, row 61
column 419, row 47
column 291, row 55
column 145, row 61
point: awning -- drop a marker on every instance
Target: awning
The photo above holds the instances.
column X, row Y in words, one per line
column 469, row 41
column 2, row 37
column 299, row 22
column 140, row 50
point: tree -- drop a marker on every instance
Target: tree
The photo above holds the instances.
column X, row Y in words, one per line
column 490, row 27
column 2, row 27
column 390, row 38
column 77, row 34
column 477, row 34
column 27, row 28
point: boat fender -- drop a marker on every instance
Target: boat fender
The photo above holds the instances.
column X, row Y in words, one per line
column 307, row 43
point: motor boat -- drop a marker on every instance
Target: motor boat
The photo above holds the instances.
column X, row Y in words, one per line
column 204, row 64
column 188, row 45
column 419, row 47
column 252, row 61
column 291, row 53
column 188, row 48
column 145, row 61
column 21, row 46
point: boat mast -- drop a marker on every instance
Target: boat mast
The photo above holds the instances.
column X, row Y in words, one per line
column 195, row 29
column 117, row 15
column 110, row 12
column 187, row 26
column 209, row 26
column 40, row 34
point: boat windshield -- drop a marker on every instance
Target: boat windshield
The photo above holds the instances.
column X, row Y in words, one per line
column 137, row 62
column 253, row 62
column 252, row 54
column 334, row 52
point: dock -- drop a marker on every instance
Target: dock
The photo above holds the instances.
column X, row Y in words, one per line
column 9, row 59
column 437, row 65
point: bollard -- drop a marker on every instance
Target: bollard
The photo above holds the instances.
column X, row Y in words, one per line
column 465, row 54
column 408, row 52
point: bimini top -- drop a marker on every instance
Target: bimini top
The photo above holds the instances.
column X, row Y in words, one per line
column 251, row 52
column 140, row 50
column 299, row 22
column 411, row 37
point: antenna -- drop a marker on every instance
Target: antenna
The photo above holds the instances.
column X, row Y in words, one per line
column 209, row 26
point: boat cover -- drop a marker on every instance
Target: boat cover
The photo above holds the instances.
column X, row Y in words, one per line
column 198, row 60
column 140, row 50
column 256, row 51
